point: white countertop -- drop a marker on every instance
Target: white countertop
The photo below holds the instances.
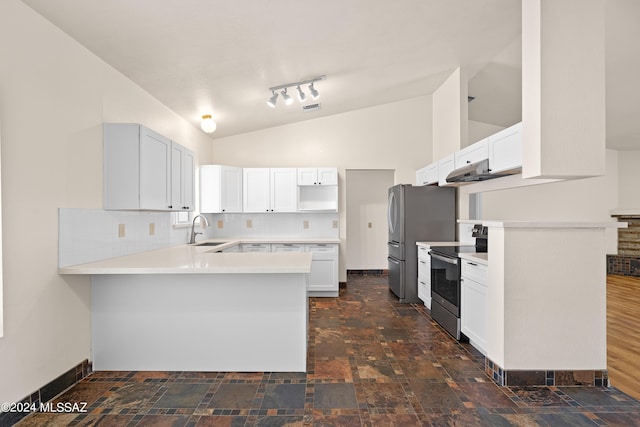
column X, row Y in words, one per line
column 193, row 259
column 545, row 224
column 479, row 257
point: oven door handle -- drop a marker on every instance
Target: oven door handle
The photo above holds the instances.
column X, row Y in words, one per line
column 453, row 261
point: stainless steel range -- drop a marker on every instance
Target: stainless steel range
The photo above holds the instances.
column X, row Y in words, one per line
column 445, row 281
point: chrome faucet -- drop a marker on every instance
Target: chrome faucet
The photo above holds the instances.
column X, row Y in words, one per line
column 192, row 240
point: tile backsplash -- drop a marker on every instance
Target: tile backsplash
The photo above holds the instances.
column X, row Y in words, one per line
column 265, row 225
column 86, row 235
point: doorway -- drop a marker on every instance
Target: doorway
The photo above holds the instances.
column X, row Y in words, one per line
column 366, row 231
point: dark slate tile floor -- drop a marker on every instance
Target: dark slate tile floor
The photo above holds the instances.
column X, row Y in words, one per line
column 371, row 362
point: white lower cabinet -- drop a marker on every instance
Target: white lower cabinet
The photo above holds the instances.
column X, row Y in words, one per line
column 424, row 275
column 473, row 303
column 323, row 280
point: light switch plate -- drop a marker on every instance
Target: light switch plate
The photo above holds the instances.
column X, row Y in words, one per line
column 220, row 223
column 305, row 224
column 370, row 225
column 121, row 231
column 249, row 223
column 152, row 229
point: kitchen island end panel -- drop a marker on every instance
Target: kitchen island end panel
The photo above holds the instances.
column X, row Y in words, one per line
column 200, row 322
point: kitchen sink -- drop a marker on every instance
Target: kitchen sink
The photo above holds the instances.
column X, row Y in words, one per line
column 210, row 243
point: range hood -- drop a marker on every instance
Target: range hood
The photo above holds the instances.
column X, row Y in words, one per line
column 478, row 171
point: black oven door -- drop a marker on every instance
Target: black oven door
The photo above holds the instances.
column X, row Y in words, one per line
column 445, row 282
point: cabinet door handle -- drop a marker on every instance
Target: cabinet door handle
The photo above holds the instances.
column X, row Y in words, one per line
column 472, row 263
column 170, row 206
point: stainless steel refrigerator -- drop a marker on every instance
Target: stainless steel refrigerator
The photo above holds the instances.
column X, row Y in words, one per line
column 416, row 214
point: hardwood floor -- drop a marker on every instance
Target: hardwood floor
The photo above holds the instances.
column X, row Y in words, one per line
column 623, row 333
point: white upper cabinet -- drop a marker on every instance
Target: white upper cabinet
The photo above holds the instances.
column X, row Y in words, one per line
column 269, row 190
column 472, row 153
column 317, row 176
column 137, row 168
column 505, row 149
column 220, row 189
column 427, row 175
column 284, row 190
column 182, row 178
column 445, row 166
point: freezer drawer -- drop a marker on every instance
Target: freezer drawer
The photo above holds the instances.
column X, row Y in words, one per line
column 396, row 277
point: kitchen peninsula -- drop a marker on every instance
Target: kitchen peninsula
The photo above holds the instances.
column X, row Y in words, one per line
column 192, row 308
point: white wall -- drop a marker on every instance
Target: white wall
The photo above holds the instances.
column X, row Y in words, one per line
column 393, row 136
column 54, row 96
column 629, row 179
column 450, row 115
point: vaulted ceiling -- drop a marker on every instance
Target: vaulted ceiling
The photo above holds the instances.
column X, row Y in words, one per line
column 220, row 57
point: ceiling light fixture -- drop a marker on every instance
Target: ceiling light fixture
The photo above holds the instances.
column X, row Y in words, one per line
column 272, row 101
column 207, row 124
column 301, row 95
column 314, row 93
column 287, row 99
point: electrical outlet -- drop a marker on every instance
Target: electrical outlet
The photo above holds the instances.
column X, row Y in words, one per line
column 370, row 225
column 121, row 231
column 335, row 223
column 249, row 223
column 152, row 229
column 220, row 223
column 305, row 224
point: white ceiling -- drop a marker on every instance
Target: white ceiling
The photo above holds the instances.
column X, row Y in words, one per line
column 220, row 57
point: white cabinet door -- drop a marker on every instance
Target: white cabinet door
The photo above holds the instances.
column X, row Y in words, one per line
column 283, row 190
column 473, row 304
column 323, row 279
column 427, row 175
column 445, row 167
column 317, row 176
column 256, row 190
column 505, row 149
column 327, row 176
column 182, row 177
column 155, row 170
column 230, row 189
column 137, row 168
column 220, row 189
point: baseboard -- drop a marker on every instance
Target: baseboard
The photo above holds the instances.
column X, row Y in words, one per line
column 47, row 392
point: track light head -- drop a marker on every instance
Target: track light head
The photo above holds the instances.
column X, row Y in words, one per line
column 287, row 98
column 301, row 94
column 314, row 93
column 272, row 101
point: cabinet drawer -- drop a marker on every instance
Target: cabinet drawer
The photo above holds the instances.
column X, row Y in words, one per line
column 256, row 247
column 424, row 270
column 322, row 247
column 286, row 247
column 474, row 271
column 423, row 253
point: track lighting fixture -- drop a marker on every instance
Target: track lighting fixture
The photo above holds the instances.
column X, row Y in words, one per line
column 287, row 99
column 301, row 94
column 314, row 93
column 207, row 124
column 271, row 102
